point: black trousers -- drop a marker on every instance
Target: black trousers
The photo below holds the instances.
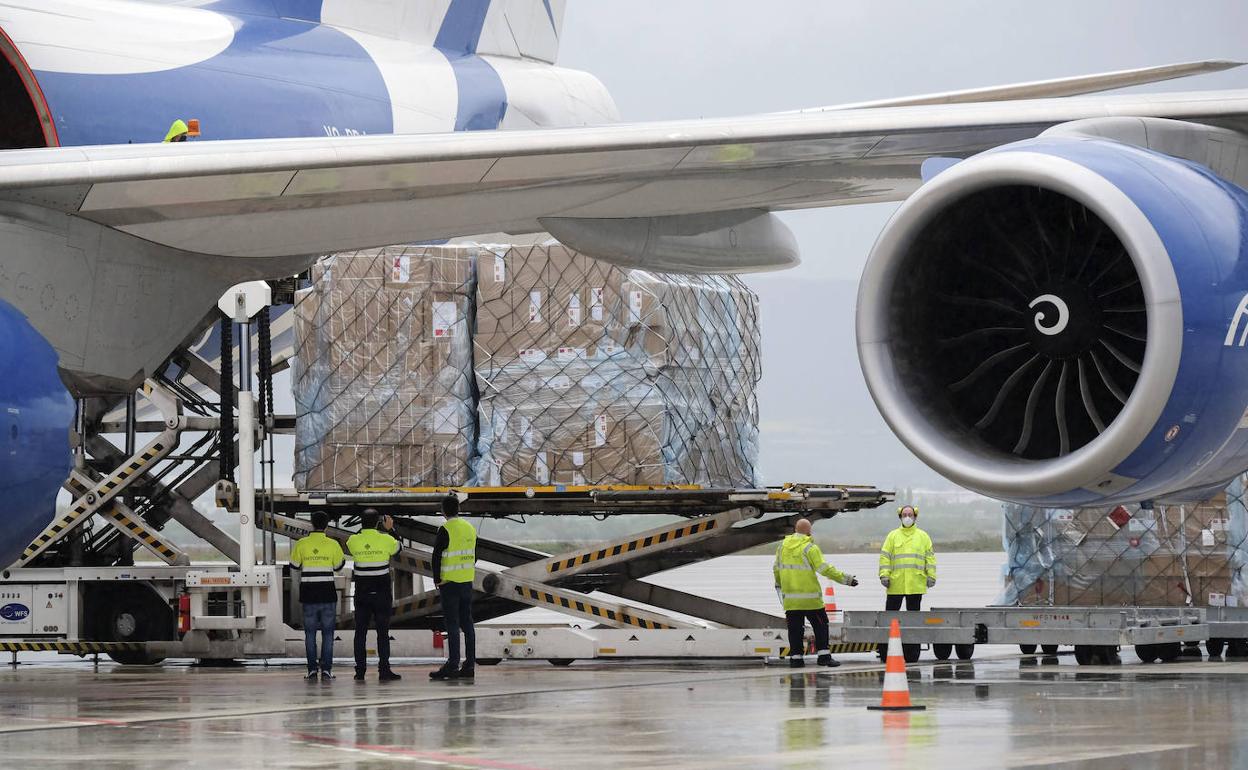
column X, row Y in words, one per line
column 893, row 602
column 372, row 608
column 797, row 622
column 457, row 612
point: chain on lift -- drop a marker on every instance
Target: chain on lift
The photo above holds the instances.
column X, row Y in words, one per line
column 227, row 399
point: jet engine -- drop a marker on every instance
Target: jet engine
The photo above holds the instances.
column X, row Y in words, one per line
column 1061, row 321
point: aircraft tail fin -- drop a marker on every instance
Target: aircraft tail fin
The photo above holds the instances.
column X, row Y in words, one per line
column 518, row 29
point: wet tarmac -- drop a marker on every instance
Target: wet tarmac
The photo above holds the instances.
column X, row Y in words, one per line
column 996, row 712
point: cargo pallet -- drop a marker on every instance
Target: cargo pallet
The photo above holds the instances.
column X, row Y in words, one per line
column 1096, row 633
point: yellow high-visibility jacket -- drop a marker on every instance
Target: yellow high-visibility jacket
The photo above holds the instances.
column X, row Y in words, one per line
column 907, row 560
column 799, row 563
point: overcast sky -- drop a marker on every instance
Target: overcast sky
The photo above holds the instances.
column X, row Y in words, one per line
column 715, row 58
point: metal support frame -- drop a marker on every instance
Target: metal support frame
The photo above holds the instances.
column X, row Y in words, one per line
column 563, row 582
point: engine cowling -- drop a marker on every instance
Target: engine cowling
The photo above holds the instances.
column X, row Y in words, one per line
column 1062, row 322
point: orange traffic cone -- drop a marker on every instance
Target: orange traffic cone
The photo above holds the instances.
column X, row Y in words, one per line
column 829, row 605
column 896, row 688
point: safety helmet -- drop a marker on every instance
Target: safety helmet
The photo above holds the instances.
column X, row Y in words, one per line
column 178, row 131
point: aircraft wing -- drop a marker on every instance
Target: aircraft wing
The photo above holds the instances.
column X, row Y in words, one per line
column 282, row 197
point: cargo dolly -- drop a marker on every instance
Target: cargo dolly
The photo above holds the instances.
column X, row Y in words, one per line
column 1096, row 633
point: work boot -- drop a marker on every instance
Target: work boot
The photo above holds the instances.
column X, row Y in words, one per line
column 827, row 660
column 797, row 662
column 444, row 673
column 359, row 675
column 388, row 676
column 327, row 676
column 311, row 676
column 466, row 672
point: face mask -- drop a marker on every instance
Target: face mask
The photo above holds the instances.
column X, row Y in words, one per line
column 907, row 521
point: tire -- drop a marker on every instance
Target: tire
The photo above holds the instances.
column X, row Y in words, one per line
column 1237, row 648
column 128, row 613
column 1083, row 654
column 136, row 658
column 1214, row 647
column 1108, row 655
column 911, row 652
column 1049, row 649
column 942, row 651
column 1027, row 649
column 1147, row 653
column 1169, row 652
column 964, row 651
column 489, row 661
column 561, row 661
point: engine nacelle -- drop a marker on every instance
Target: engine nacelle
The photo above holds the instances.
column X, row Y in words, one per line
column 1062, row 322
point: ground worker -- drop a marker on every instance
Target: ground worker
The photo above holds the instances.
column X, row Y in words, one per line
column 799, row 563
column 317, row 558
column 907, row 562
column 178, row 131
column 454, row 566
column 374, row 596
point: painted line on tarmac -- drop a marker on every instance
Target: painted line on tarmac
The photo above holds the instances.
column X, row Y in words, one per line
column 399, row 751
column 434, row 697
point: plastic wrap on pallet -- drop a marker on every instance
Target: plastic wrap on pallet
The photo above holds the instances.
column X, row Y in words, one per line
column 383, row 370
column 1163, row 555
column 588, row 373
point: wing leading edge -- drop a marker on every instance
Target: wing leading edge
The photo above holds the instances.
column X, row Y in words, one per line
column 281, row 197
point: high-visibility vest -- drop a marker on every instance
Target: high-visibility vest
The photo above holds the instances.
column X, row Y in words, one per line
column 907, row 560
column 799, row 563
column 460, row 557
column 371, row 550
column 317, row 557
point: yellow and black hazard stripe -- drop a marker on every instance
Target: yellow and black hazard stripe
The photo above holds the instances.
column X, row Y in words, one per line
column 115, row 480
column 588, row 608
column 416, row 604
column 142, row 533
column 841, row 648
column 74, row 648
column 694, row 528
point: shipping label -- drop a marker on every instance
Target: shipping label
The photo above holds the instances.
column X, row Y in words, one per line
column 500, row 269
column 570, row 354
column 401, row 269
column 445, row 315
column 535, row 307
column 574, row 310
column 496, row 473
column 559, row 382
column 634, row 306
column 532, row 356
column 541, row 469
column 595, row 303
column 600, row 430
column 578, row 459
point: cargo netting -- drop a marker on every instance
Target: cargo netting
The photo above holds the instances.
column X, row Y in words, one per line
column 509, row 365
column 1164, row 555
column 383, row 370
column 588, row 373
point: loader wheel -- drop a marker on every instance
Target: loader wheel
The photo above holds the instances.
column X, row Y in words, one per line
column 1083, row 654
column 911, row 652
column 136, row 658
column 942, row 651
column 1214, row 647
column 1147, row 653
column 964, row 651
column 1049, row 649
column 1027, row 649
